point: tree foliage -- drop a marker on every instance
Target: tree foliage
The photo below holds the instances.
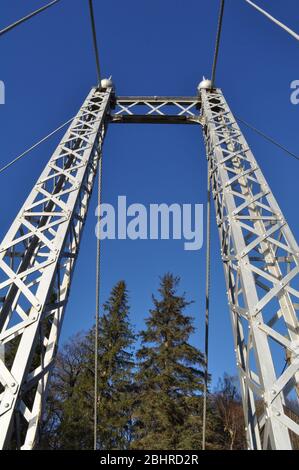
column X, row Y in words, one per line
column 228, row 404
column 169, row 378
column 69, row 419
column 152, row 400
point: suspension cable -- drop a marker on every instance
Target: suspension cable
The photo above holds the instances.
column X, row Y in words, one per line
column 217, row 44
column 268, row 138
column 12, row 162
column 95, row 42
column 97, row 313
column 27, row 17
column 207, row 306
column 98, row 250
column 208, row 248
column 274, row 20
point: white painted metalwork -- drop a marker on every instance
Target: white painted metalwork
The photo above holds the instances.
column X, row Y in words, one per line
column 37, row 259
column 259, row 253
column 156, row 109
column 261, row 264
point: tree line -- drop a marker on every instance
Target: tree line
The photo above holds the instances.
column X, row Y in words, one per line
column 151, row 398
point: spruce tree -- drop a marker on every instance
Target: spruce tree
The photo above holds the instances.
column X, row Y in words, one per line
column 116, row 364
column 73, row 383
column 169, row 378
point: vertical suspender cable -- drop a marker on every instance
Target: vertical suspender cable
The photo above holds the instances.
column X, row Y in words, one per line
column 95, row 42
column 98, row 253
column 97, row 314
column 207, row 307
column 208, row 246
column 218, row 36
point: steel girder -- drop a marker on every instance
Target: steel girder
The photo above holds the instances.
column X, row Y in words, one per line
column 37, row 258
column 261, row 264
column 156, row 110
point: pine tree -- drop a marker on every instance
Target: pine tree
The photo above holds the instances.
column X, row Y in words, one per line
column 72, row 389
column 116, row 365
column 169, row 378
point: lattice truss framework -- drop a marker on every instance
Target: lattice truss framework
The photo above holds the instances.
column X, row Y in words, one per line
column 37, row 259
column 261, row 264
column 156, row 109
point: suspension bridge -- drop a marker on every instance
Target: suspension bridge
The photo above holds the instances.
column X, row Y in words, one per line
column 259, row 253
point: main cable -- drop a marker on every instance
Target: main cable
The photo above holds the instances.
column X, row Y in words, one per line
column 217, row 44
column 95, row 42
column 274, row 20
column 27, row 17
column 12, row 162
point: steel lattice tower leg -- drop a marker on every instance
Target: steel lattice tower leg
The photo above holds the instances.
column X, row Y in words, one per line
column 261, row 265
column 37, row 259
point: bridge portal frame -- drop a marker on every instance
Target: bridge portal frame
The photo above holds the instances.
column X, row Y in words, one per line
column 259, row 254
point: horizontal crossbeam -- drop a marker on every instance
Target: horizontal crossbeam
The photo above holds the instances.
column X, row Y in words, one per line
column 156, row 110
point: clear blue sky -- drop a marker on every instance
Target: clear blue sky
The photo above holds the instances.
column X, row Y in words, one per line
column 151, row 48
